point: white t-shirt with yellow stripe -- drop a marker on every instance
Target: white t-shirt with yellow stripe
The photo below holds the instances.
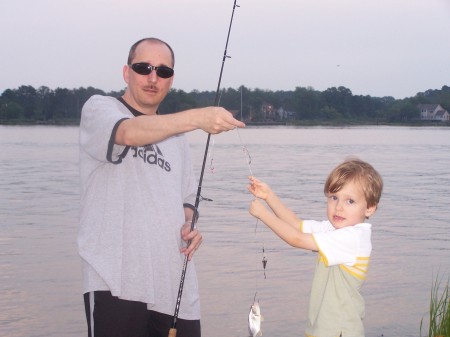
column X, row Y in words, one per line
column 336, row 305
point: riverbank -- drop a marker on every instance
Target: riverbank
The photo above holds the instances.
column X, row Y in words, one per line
column 328, row 123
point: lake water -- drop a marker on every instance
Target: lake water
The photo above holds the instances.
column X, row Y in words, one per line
column 40, row 275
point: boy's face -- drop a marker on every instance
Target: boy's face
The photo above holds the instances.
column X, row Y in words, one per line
column 348, row 206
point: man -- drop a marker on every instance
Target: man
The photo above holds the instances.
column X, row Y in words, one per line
column 137, row 192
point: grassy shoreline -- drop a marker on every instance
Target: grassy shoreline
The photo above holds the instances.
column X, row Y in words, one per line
column 439, row 312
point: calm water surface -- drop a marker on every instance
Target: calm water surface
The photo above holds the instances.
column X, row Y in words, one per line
column 40, row 276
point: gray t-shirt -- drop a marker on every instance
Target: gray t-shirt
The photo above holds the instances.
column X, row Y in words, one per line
column 132, row 211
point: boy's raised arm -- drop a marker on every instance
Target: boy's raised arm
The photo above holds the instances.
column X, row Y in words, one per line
column 263, row 191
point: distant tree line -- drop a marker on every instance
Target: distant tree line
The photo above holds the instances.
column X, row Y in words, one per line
column 302, row 105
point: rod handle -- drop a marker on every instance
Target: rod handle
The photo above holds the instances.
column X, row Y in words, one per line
column 172, row 332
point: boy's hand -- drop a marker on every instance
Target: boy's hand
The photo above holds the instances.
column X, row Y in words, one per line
column 258, row 188
column 257, row 208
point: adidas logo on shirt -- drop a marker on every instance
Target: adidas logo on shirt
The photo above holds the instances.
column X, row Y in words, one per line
column 151, row 154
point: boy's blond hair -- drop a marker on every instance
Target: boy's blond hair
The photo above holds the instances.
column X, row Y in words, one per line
column 354, row 169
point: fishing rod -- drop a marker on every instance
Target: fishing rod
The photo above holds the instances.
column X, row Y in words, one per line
column 173, row 330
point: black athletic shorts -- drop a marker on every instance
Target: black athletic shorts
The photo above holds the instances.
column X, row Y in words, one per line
column 111, row 316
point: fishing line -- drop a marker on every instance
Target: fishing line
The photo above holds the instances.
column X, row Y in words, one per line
column 173, row 331
column 211, row 156
column 263, row 261
column 249, row 163
column 211, row 150
column 248, row 160
column 246, row 153
column 254, row 322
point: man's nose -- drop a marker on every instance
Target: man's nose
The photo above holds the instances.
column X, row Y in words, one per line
column 152, row 77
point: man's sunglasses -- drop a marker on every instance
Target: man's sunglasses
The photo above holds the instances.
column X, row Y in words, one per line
column 143, row 68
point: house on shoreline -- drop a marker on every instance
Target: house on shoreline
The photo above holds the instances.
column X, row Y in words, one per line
column 433, row 112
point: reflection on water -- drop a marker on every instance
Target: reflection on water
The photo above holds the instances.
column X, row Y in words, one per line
column 40, row 277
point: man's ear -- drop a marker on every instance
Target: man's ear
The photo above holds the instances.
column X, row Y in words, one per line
column 125, row 71
column 370, row 211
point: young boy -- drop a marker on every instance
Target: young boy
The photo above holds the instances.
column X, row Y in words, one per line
column 353, row 190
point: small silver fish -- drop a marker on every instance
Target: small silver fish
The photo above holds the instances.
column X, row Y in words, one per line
column 254, row 320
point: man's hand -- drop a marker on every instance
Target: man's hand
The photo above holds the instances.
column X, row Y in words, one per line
column 215, row 120
column 195, row 238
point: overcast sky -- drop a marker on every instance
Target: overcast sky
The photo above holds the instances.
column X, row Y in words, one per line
column 373, row 47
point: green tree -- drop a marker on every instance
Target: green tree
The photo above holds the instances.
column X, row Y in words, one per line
column 403, row 111
column 339, row 98
column 43, row 95
column 13, row 111
column 177, row 100
column 306, row 102
column 26, row 96
column 329, row 113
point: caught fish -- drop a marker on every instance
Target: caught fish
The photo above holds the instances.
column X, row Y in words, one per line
column 254, row 320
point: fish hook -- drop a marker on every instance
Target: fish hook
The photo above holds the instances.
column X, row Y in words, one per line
column 264, row 262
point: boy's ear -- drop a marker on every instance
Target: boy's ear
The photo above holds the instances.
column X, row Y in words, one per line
column 370, row 211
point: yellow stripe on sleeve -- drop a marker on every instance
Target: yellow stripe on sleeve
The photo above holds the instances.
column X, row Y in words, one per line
column 359, row 269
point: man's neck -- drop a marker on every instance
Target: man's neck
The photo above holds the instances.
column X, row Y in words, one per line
column 130, row 103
